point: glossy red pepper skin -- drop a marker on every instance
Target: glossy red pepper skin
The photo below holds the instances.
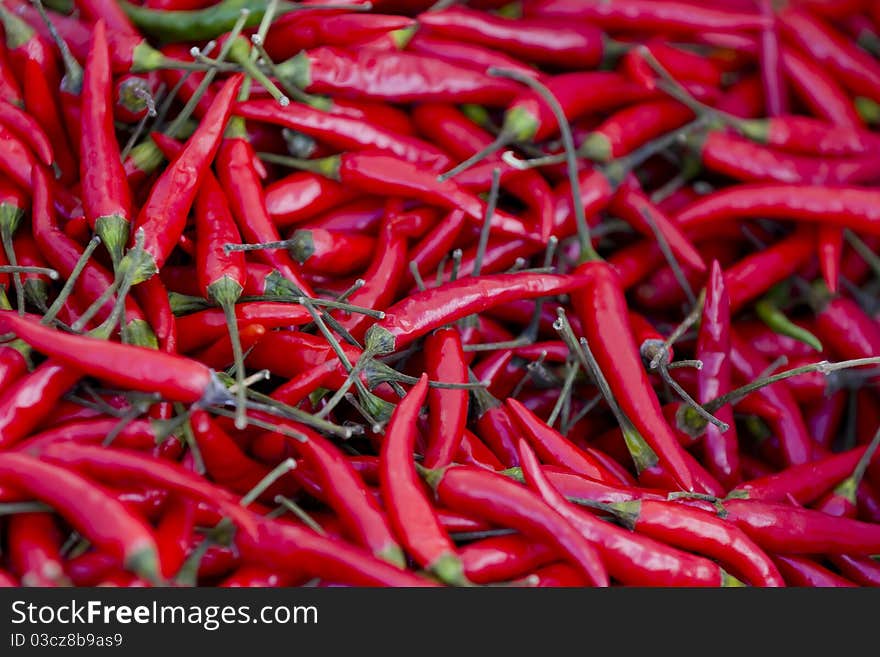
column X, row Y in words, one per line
column 241, row 182
column 34, row 549
column 631, row 127
column 502, row 558
column 818, row 89
column 650, row 16
column 96, row 515
column 744, row 160
column 447, row 409
column 138, row 368
column 305, row 29
column 506, row 503
column 414, row 521
column 555, row 42
column 809, row 136
column 25, row 403
column 303, row 195
column 795, row 442
column 418, row 314
column 201, row 328
column 138, row 435
column 9, row 87
column 849, row 207
column 861, row 570
column 790, row 530
column 164, row 214
column 803, row 571
column 105, row 193
column 470, row 55
column 715, row 379
column 602, row 309
column 846, row 330
column 554, row 448
column 26, row 129
column 858, row 71
column 343, row 132
column 393, row 76
column 700, row 531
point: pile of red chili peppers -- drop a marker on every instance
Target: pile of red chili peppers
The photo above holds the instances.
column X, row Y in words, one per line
column 412, row 293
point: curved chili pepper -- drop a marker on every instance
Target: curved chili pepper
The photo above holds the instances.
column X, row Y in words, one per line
column 133, row 367
column 502, row 558
column 241, row 182
column 555, row 42
column 850, row 207
column 700, row 531
column 163, row 215
column 195, row 24
column 846, row 330
column 809, row 136
column 803, row 571
column 418, row 314
column 9, row 87
column 392, row 76
column 506, row 503
column 204, row 327
column 290, row 548
column 27, row 129
column 855, row 68
column 824, row 418
column 602, row 309
column 409, row 510
column 649, row 16
column 97, row 516
column 34, row 549
column 173, row 534
column 633, row 126
column 305, row 29
column 862, row 570
column 303, row 195
column 219, row 355
column 346, row 493
column 714, row 378
column 105, row 193
column 630, row 558
column 137, row 434
column 819, row 90
column 447, row 409
column 25, row 403
column 786, row 529
column 749, row 162
column 470, row 55
column 554, row 448
column 343, row 132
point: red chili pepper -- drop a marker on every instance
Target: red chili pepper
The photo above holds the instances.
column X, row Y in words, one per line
column 204, row 327
column 290, row 548
column 755, row 274
column 447, row 409
column 633, row 126
column 646, row 15
column 163, row 216
column 241, row 182
column 819, row 89
column 846, row 330
column 602, row 309
column 793, row 437
column 743, row 99
column 34, row 549
column 108, row 11
column 219, row 355
column 173, row 534
column 27, row 129
column 409, row 509
column 803, row 571
column 305, row 29
column 392, row 76
column 808, row 136
column 97, row 516
column 506, row 503
column 9, row 87
column 303, row 195
column 137, row 434
column 502, row 558
column 470, row 55
column 105, row 193
column 713, row 350
column 420, row 313
column 343, row 132
column 133, row 367
column 630, row 558
column 855, row 68
column 824, row 418
column 554, row 448
column 545, row 41
column 862, row 570
column 790, row 530
column 850, row 207
column 26, row 403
